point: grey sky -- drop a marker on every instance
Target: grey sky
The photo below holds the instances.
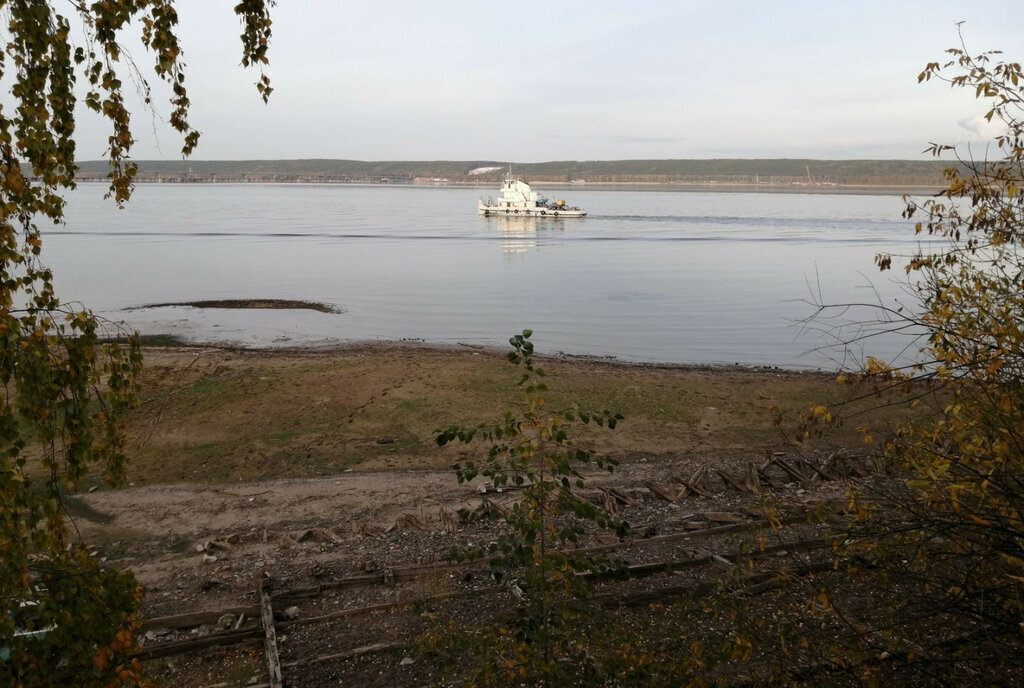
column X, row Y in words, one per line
column 533, row 81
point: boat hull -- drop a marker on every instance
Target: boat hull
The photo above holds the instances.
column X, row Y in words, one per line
column 497, row 211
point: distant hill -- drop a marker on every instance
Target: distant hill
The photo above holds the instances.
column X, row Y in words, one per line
column 781, row 171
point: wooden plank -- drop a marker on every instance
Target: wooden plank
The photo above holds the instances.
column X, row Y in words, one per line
column 661, row 491
column 695, row 488
column 701, row 478
column 619, row 496
column 724, row 517
column 793, row 472
column 385, row 606
column 634, row 571
column 730, row 481
column 698, row 483
column 721, row 562
column 270, row 636
column 348, row 654
column 750, row 479
column 449, row 520
column 180, row 647
column 769, row 479
column 196, row 618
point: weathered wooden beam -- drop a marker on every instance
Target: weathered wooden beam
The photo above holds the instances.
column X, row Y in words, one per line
column 750, row 479
column 792, row 471
column 661, row 491
column 620, row 496
column 196, row 618
column 730, row 481
column 270, row 636
column 348, row 654
column 179, row 647
column 384, row 606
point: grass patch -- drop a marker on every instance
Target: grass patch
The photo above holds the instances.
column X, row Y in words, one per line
column 232, row 415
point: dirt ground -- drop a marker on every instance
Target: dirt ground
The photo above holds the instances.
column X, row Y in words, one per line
column 312, row 466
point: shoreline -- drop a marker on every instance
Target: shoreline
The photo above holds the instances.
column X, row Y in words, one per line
column 167, row 342
column 719, row 187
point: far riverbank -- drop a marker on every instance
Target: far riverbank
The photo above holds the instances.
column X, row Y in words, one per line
column 720, row 187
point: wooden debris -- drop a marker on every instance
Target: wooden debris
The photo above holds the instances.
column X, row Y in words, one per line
column 449, row 520
column 619, row 496
column 366, row 529
column 722, row 563
column 317, row 534
column 270, row 636
column 818, row 471
column 662, row 491
column 196, row 618
column 791, row 470
column 490, row 504
column 361, row 611
column 349, row 654
column 730, row 481
column 724, row 517
column 750, row 480
column 607, row 502
column 408, row 522
column 763, row 475
column 698, row 482
column 192, row 644
column 286, row 542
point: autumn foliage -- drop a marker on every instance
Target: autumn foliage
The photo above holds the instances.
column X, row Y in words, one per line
column 64, row 619
column 941, row 547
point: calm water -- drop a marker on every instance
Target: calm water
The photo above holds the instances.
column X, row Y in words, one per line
column 666, row 276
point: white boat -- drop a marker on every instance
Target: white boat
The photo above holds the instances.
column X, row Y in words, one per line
column 517, row 198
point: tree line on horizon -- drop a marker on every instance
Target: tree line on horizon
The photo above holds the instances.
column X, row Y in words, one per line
column 784, row 171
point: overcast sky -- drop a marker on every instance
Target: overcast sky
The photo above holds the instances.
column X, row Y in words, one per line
column 531, row 81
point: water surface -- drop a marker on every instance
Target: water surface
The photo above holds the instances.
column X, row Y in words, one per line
column 649, row 275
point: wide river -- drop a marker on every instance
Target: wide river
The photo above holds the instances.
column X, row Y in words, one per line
column 649, row 275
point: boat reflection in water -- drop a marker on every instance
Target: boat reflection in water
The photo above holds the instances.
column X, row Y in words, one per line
column 523, row 234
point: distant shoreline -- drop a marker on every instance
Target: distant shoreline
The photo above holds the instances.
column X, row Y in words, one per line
column 731, row 174
column 720, row 187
